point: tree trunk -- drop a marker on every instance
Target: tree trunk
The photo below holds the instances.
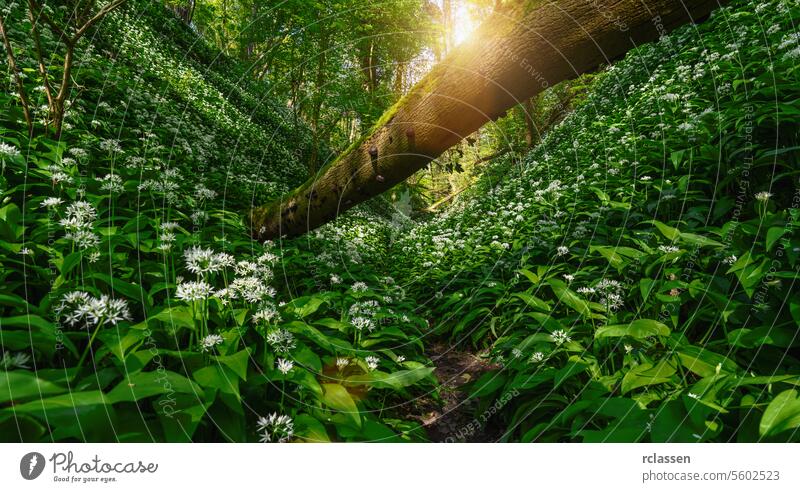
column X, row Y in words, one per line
column 518, row 52
column 531, row 133
column 316, row 109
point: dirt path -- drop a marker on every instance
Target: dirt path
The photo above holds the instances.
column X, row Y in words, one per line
column 453, row 417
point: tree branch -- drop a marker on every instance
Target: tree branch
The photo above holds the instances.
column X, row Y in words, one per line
column 107, row 8
column 12, row 64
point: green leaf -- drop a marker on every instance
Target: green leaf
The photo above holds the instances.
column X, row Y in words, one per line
column 334, row 324
column 670, row 233
column 217, row 377
column 773, row 234
column 783, row 413
column 396, row 380
column 236, row 362
column 129, row 290
column 571, row 369
column 146, row 384
column 533, row 301
column 530, row 276
column 21, row 385
column 638, row 329
column 705, row 363
column 568, row 297
column 647, row 374
column 177, row 316
column 304, row 306
column 310, row 429
column 698, row 240
column 336, row 397
column 619, row 256
column 64, row 402
column 332, row 345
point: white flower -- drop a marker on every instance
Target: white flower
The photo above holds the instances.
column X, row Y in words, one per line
column 364, row 308
column 7, row 151
column 285, row 366
column 110, row 145
column 80, row 306
column 568, row 277
column 342, row 362
column 536, row 357
column 168, row 226
column 25, row 252
column 730, row 260
column 281, row 341
column 19, row 360
column 203, row 193
column 199, row 217
column 112, row 183
column 362, row 323
column 94, row 256
column 560, row 337
column 209, row 342
column 335, row 279
column 81, row 212
column 400, row 359
column 275, row 428
column 372, row 362
column 763, row 196
column 585, row 290
column 668, row 249
column 78, row 152
column 267, row 314
column 359, row 287
column 52, row 201
column 562, row 250
column 201, row 261
column 194, row 291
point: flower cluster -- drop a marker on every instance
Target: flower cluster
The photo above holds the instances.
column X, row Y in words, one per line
column 275, row 428
column 79, row 306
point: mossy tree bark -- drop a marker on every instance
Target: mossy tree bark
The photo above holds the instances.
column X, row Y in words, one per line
column 524, row 47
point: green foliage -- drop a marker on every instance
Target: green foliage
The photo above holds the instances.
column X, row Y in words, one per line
column 633, row 279
column 636, row 276
column 134, row 306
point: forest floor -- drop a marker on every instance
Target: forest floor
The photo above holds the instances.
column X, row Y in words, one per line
column 452, row 417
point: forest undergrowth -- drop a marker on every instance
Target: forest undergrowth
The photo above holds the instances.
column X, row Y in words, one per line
column 631, row 278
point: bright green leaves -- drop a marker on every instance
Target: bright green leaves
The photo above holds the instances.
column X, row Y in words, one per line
column 749, row 271
column 704, row 362
column 337, row 397
column 618, row 257
column 782, row 414
column 639, row 329
column 533, row 301
column 571, row 299
column 396, row 380
column 689, row 239
column 22, row 385
column 648, row 374
column 146, row 384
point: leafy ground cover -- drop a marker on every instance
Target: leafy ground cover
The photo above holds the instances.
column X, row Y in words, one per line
column 631, row 279
column 636, row 273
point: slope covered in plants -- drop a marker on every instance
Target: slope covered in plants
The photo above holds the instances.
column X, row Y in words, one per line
column 632, row 278
column 135, row 306
column 636, row 274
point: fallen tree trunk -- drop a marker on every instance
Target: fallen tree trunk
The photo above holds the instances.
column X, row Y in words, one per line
column 524, row 47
